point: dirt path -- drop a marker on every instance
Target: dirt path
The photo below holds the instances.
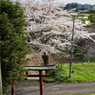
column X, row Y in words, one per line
column 56, row 88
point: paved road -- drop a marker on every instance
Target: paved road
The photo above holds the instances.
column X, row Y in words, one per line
column 57, row 88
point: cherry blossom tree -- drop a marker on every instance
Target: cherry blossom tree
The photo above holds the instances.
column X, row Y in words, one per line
column 50, row 27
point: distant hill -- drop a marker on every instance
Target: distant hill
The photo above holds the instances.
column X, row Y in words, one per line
column 85, row 5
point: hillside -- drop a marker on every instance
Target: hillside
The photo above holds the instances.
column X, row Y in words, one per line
column 75, row 5
column 86, row 5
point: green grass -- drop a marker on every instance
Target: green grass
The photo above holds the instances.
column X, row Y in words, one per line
column 66, row 16
column 84, row 10
column 81, row 72
column 86, row 19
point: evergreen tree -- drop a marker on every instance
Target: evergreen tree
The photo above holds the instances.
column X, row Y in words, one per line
column 71, row 6
column 83, row 7
column 13, row 44
column 67, row 6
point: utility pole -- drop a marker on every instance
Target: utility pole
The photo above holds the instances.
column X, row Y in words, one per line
column 72, row 46
column 78, row 13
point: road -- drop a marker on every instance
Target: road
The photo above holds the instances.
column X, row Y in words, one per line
column 56, row 88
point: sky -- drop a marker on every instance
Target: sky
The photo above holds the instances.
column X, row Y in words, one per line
column 92, row 2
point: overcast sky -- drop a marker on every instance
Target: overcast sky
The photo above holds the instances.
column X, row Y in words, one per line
column 92, row 2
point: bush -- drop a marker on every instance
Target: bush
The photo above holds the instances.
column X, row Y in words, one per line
column 57, row 75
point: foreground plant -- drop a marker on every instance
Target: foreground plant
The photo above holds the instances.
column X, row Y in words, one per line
column 13, row 44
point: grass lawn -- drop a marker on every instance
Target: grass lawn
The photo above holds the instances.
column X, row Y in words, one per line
column 86, row 19
column 81, row 72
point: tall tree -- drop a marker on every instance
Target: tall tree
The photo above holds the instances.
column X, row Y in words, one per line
column 0, row 68
column 83, row 7
column 13, row 41
column 71, row 6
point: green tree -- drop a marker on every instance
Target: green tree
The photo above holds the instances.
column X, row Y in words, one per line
column 13, row 44
column 71, row 6
column 91, row 17
column 67, row 6
column 83, row 7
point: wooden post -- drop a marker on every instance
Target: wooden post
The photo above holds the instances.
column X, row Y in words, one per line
column 13, row 87
column 41, row 82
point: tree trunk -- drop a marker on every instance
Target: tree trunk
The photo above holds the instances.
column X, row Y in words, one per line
column 0, row 80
